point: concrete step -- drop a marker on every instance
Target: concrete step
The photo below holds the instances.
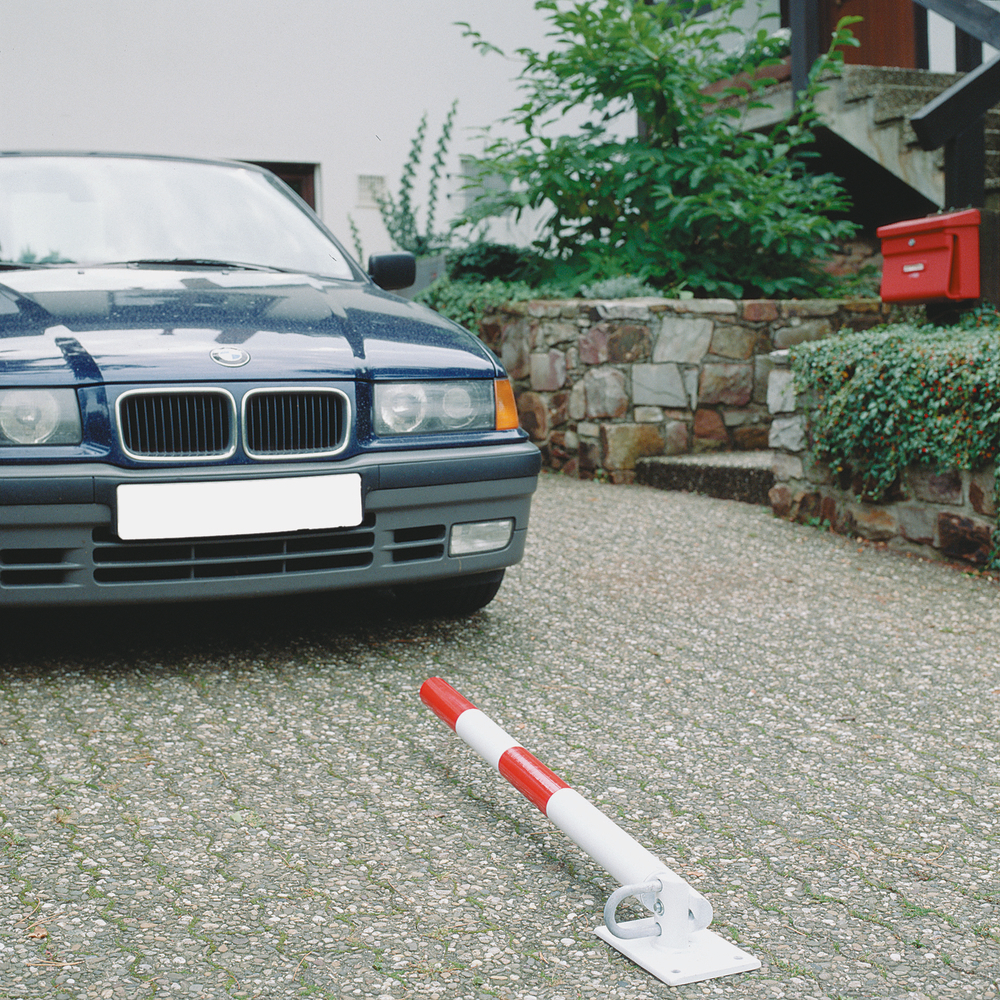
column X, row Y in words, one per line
column 735, row 475
column 862, row 81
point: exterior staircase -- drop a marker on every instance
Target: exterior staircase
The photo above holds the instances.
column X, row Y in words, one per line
column 868, row 107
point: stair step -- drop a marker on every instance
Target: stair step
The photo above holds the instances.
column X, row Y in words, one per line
column 891, row 104
column 862, row 81
column 739, row 475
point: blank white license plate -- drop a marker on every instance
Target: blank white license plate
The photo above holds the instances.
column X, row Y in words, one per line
column 239, row 507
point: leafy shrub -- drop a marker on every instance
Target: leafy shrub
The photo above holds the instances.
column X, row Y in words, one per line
column 626, row 286
column 488, row 261
column 905, row 395
column 694, row 199
column 466, row 302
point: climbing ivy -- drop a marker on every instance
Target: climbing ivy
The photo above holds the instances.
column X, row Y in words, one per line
column 399, row 214
column 904, row 395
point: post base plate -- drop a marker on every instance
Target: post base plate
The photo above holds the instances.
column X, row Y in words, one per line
column 707, row 957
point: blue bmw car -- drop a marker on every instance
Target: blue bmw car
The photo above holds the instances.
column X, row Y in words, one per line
column 203, row 396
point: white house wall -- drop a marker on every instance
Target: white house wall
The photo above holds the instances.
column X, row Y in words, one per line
column 341, row 83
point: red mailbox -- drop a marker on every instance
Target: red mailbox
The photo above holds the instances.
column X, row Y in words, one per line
column 926, row 260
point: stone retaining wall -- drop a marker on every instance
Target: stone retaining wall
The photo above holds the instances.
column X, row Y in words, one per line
column 600, row 384
column 948, row 515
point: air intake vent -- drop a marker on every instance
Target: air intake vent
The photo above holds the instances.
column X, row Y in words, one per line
column 117, row 562
column 191, row 424
column 285, row 422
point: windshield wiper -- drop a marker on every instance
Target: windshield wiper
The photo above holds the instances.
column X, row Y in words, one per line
column 229, row 265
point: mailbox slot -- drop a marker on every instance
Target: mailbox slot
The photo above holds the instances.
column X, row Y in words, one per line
column 932, row 259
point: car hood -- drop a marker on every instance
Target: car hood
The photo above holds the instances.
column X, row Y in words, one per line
column 65, row 326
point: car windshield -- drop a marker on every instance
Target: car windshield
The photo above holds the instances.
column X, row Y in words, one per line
column 92, row 210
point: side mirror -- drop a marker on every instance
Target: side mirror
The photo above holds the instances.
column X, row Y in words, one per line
column 392, row 271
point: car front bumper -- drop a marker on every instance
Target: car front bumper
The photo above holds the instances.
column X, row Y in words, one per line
column 58, row 544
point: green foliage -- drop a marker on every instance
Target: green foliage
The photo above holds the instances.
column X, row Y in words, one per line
column 694, row 199
column 489, row 261
column 467, row 301
column 359, row 250
column 28, row 256
column 624, row 286
column 399, row 214
column 905, row 395
column 485, row 261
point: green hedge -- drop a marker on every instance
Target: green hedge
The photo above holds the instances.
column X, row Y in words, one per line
column 904, row 395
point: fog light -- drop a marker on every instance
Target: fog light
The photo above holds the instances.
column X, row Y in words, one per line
column 480, row 536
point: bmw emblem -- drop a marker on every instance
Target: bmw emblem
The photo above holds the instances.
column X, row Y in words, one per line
column 230, row 357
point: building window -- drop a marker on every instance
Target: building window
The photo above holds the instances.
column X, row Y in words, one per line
column 300, row 177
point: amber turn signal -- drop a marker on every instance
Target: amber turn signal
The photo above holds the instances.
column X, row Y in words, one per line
column 506, row 407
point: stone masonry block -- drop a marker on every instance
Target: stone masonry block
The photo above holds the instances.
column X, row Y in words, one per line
column 548, row 371
column 690, row 377
column 799, row 333
column 594, row 344
column 781, row 391
column 809, row 307
column 760, row 310
column 721, row 307
column 552, row 334
column 753, row 437
column 729, row 384
column 964, row 537
column 787, row 467
column 534, row 415
column 929, row 486
column 622, row 444
column 875, row 523
column 605, row 393
column 762, row 368
column 917, row 523
column 676, row 438
column 630, row 342
column 637, row 309
column 515, row 348
column 683, row 339
column 981, row 492
column 647, row 415
column 658, row 385
column 709, row 431
column 780, row 498
column 731, row 341
column 788, row 434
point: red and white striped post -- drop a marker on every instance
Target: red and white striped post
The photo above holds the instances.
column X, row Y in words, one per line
column 675, row 946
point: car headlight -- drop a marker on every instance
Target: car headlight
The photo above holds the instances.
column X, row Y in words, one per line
column 39, row 416
column 434, row 407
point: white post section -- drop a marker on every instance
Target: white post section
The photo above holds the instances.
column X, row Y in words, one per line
column 675, row 945
column 619, row 854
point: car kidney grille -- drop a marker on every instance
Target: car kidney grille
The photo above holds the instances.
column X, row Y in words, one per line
column 169, row 425
column 294, row 422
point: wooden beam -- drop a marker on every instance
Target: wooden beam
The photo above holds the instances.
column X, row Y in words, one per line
column 804, row 18
column 972, row 16
column 965, row 168
column 959, row 107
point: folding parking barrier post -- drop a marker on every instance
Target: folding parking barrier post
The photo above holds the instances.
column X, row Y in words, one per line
column 675, row 945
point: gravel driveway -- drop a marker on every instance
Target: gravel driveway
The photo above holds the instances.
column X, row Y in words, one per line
column 250, row 800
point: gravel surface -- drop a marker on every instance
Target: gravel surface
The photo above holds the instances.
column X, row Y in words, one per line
column 250, row 800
